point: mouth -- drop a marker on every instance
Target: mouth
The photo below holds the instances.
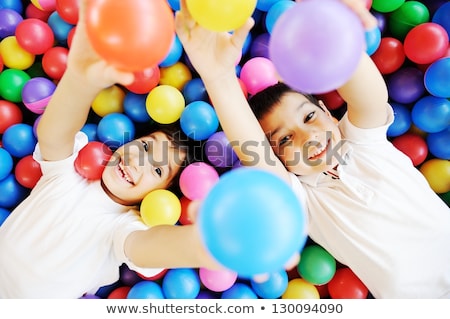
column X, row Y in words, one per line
column 319, row 152
column 124, row 173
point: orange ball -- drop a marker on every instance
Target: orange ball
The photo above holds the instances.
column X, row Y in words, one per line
column 133, row 34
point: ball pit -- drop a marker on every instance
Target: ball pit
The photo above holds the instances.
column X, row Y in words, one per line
column 36, row 41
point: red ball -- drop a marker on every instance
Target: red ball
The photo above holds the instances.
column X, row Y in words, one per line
column 10, row 114
column 119, row 293
column 132, row 35
column 54, row 62
column 155, row 277
column 412, row 145
column 145, row 80
column 92, row 159
column 68, row 10
column 185, row 217
column 28, row 171
column 33, row 12
column 426, row 42
column 35, row 36
column 346, row 285
column 389, row 56
column 332, row 100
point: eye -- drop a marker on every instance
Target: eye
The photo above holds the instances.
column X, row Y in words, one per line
column 284, row 140
column 158, row 171
column 145, row 145
column 309, row 116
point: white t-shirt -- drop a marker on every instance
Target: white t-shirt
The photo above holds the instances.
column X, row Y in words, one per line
column 67, row 238
column 380, row 217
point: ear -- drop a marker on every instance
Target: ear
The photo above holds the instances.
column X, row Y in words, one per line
column 327, row 112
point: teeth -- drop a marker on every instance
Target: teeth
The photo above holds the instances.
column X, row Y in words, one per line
column 318, row 151
column 124, row 174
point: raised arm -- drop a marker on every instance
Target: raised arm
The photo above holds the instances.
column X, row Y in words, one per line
column 214, row 54
column 85, row 76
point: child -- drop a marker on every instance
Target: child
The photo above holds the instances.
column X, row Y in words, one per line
column 71, row 235
column 367, row 204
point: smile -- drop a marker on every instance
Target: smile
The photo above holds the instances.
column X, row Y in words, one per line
column 319, row 152
column 124, row 174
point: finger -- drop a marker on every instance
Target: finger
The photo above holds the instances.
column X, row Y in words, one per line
column 193, row 209
column 359, row 7
column 118, row 76
column 240, row 35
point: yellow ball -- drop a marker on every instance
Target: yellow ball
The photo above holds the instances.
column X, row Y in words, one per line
column 109, row 100
column 220, row 15
column 437, row 173
column 160, row 207
column 176, row 75
column 299, row 288
column 14, row 56
column 165, row 104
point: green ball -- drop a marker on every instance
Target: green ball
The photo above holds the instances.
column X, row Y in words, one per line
column 316, row 265
column 386, row 5
column 409, row 15
column 11, row 84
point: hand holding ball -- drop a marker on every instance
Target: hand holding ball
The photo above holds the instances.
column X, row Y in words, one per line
column 252, row 222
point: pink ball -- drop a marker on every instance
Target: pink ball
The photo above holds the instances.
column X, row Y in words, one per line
column 197, row 179
column 35, row 36
column 217, row 280
column 257, row 74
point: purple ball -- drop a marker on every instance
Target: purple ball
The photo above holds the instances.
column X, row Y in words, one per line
column 9, row 19
column 219, row 150
column 406, row 85
column 36, row 94
column 260, row 46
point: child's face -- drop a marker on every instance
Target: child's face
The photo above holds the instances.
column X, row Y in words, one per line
column 141, row 166
column 303, row 136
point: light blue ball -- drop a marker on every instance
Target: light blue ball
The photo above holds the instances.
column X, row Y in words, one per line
column 181, row 283
column 239, row 291
column 145, row 290
column 115, row 129
column 273, row 287
column 199, row 120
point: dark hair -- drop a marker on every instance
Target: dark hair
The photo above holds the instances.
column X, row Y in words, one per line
column 264, row 101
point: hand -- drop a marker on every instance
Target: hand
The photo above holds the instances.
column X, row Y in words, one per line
column 84, row 63
column 211, row 53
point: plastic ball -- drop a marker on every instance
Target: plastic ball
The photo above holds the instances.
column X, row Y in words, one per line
column 194, row 90
column 218, row 15
column 181, row 283
column 10, row 114
column 199, row 120
column 386, row 5
column 402, row 120
column 307, row 41
column 11, row 84
column 219, row 151
column 31, row 12
column 133, row 34
column 437, row 173
column 90, row 129
column 128, row 277
column 6, row 163
column 175, row 53
column 160, row 207
column 92, row 159
column 436, row 78
column 35, row 36
column 54, row 62
column 45, row 5
column 441, row 16
column 109, row 100
column 373, row 40
column 9, row 19
column 14, row 56
column 145, row 80
column 217, row 280
column 115, row 129
column 68, row 10
column 426, row 43
column 240, row 210
column 412, row 145
column 176, row 75
column 119, row 293
column 406, row 17
column 239, row 291
column 406, row 85
column 317, row 266
column 134, row 107
column 12, row 192
column 299, row 288
column 260, row 46
column 59, row 27
column 346, row 285
column 438, row 144
column 431, row 114
column 36, row 94
column 389, row 56
column 275, row 11
column 197, row 179
column 27, row 171
column 273, row 288
column 4, row 213
column 19, row 140
column 146, row 290
column 186, row 218
column 257, row 74
column 165, row 104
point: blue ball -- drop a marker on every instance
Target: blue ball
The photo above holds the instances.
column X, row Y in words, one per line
column 19, row 140
column 194, row 90
column 134, row 107
column 181, row 283
column 4, row 213
column 373, row 40
column 15, row 5
column 146, row 290
column 115, row 129
column 90, row 129
column 6, row 163
column 239, row 291
column 199, row 120
column 59, row 27
column 275, row 11
column 431, row 114
column 437, row 77
column 12, row 193
column 402, row 120
column 239, row 213
column 406, row 85
column 273, row 287
column 439, row 144
column 442, row 16
column 175, row 53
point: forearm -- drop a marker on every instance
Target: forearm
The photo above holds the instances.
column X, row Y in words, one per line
column 168, row 246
